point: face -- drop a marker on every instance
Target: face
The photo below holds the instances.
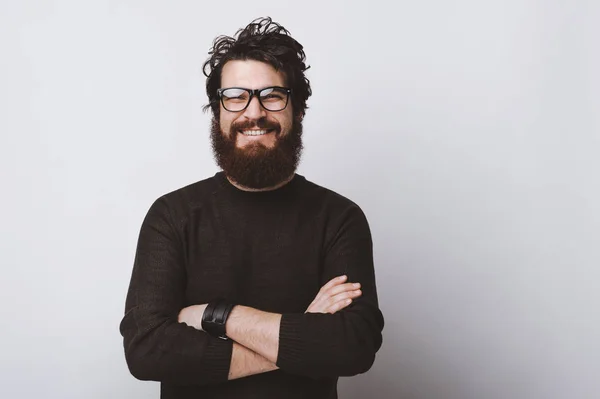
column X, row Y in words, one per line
column 248, row 126
column 255, row 147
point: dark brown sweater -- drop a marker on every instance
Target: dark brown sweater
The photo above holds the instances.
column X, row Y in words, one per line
column 269, row 250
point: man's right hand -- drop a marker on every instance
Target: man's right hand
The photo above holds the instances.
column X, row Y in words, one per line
column 334, row 296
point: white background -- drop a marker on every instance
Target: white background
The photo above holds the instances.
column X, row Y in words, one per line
column 468, row 131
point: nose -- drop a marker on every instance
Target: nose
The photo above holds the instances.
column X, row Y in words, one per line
column 254, row 111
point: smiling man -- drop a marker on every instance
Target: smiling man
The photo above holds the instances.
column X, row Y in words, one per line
column 256, row 142
column 255, row 282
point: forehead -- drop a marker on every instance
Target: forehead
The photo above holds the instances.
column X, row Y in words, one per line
column 250, row 74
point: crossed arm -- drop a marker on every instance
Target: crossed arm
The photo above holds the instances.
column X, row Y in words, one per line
column 256, row 333
column 159, row 346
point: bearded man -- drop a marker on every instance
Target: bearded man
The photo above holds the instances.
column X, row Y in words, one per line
column 255, row 282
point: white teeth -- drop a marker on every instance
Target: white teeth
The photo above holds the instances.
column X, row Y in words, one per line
column 254, row 132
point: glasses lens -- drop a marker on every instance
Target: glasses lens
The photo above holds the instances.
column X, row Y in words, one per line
column 235, row 99
column 273, row 98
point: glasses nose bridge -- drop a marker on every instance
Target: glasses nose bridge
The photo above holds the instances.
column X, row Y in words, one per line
column 254, row 93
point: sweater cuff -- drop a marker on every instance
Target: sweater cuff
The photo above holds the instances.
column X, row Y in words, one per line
column 291, row 342
column 218, row 360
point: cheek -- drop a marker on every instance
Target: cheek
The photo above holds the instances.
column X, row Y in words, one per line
column 285, row 121
column 225, row 124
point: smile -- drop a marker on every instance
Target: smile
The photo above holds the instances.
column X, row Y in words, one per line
column 256, row 132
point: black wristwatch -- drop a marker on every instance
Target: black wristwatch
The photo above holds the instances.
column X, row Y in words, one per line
column 214, row 318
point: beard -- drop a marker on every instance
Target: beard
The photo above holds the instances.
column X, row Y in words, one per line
column 255, row 165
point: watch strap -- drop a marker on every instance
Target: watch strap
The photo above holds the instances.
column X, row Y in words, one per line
column 215, row 317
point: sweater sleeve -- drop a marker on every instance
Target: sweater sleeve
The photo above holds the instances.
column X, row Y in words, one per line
column 157, row 346
column 344, row 343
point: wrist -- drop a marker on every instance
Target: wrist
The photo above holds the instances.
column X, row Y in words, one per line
column 237, row 313
column 214, row 318
column 192, row 316
column 198, row 312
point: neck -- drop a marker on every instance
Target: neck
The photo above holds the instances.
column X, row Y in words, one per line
column 250, row 189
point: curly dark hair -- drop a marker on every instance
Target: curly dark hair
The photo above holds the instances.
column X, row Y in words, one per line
column 266, row 41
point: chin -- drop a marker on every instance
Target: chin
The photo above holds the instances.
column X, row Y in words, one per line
column 257, row 145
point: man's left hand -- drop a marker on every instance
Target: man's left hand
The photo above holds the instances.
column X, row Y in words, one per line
column 192, row 316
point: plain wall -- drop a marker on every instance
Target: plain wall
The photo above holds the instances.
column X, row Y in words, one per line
column 468, row 131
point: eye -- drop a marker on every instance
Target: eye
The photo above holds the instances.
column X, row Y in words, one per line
column 234, row 94
column 272, row 93
column 272, row 96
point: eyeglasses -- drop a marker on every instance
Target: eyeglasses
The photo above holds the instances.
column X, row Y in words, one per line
column 237, row 99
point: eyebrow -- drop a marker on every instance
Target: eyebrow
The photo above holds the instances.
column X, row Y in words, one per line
column 258, row 88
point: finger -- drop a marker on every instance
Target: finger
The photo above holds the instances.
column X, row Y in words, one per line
column 336, row 307
column 330, row 284
column 344, row 295
column 338, row 289
column 333, row 282
column 327, row 303
column 343, row 288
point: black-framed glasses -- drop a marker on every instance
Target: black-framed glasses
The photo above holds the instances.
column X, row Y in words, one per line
column 237, row 99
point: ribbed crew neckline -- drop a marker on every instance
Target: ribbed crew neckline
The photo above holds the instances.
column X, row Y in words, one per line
column 226, row 185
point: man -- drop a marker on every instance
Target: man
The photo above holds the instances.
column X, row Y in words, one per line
column 254, row 283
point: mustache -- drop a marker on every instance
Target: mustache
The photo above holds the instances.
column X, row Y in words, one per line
column 259, row 124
